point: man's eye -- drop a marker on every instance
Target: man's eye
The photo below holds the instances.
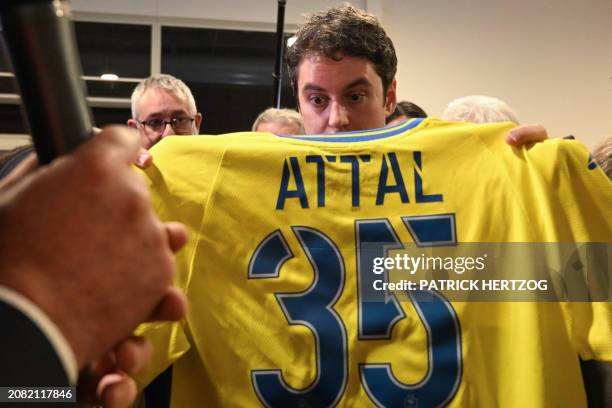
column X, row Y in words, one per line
column 154, row 122
column 317, row 100
column 356, row 97
column 182, row 121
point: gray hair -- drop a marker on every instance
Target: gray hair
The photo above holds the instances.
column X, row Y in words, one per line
column 603, row 155
column 479, row 109
column 273, row 115
column 165, row 82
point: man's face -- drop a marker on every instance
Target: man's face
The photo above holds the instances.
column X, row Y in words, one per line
column 336, row 96
column 161, row 104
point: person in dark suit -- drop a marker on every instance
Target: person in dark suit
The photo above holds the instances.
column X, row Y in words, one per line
column 83, row 261
column 31, row 345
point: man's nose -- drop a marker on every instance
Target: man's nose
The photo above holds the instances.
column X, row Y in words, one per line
column 168, row 130
column 338, row 117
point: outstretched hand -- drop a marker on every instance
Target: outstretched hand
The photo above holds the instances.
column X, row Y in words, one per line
column 524, row 134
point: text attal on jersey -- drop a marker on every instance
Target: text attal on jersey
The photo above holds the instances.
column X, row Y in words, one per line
column 393, row 175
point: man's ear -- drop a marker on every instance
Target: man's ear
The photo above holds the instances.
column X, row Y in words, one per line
column 391, row 98
column 132, row 123
column 198, row 122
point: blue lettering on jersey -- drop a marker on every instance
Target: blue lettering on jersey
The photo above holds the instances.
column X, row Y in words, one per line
column 269, row 256
column 432, row 230
column 383, row 187
column 437, row 315
column 379, row 314
column 441, row 382
column 418, row 183
column 315, row 309
column 320, row 178
column 312, row 308
column 352, row 159
column 292, row 172
column 284, row 192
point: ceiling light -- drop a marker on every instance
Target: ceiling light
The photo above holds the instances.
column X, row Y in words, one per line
column 109, row 77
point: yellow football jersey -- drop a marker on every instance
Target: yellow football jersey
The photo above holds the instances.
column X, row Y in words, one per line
column 274, row 271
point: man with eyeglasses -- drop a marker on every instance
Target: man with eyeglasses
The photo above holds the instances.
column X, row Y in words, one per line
column 163, row 105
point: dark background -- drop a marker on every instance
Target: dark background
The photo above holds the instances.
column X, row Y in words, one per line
column 228, row 71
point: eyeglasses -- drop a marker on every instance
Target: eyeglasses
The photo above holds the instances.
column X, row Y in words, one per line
column 181, row 126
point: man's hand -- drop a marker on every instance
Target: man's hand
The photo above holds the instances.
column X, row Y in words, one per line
column 79, row 238
column 524, row 134
column 107, row 381
column 144, row 158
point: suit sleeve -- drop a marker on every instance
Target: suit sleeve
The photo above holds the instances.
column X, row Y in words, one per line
column 33, row 352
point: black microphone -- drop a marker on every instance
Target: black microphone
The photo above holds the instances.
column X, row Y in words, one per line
column 277, row 75
column 40, row 40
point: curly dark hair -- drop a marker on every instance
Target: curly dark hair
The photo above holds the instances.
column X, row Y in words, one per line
column 341, row 31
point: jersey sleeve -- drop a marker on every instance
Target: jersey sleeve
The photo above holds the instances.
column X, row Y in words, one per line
column 577, row 207
column 181, row 177
column 179, row 180
column 568, row 198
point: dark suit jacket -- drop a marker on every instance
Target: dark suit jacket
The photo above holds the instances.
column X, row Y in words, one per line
column 27, row 358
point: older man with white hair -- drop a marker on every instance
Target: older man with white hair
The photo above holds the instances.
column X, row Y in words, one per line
column 163, row 105
column 479, row 109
